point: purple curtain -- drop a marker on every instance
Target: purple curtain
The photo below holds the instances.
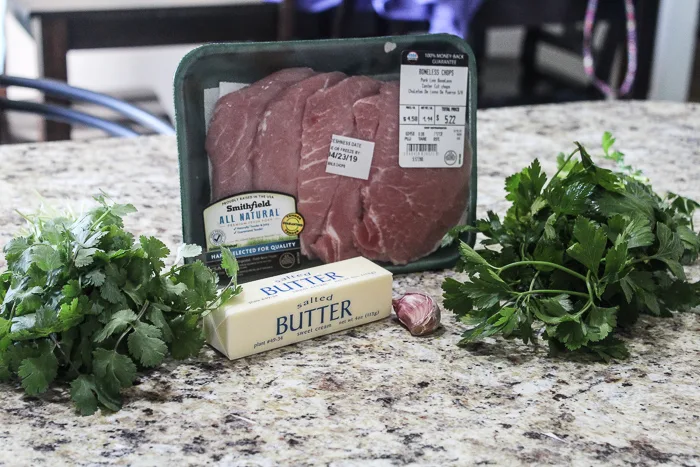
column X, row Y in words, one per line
column 448, row 16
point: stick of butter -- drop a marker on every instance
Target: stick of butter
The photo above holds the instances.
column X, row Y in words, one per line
column 301, row 305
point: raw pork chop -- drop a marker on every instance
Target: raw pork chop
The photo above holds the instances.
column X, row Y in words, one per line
column 278, row 144
column 406, row 212
column 328, row 112
column 233, row 129
column 335, row 242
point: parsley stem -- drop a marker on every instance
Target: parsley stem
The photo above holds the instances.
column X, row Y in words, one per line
column 541, row 263
column 550, row 291
column 563, row 165
column 588, row 286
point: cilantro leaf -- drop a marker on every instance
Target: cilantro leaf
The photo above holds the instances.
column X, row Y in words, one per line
column 72, row 289
column 155, row 251
column 188, row 335
column 119, row 321
column 95, row 277
column 110, row 291
column 113, row 370
column 38, row 372
column 14, row 249
column 146, row 344
column 229, row 263
column 84, row 394
column 122, row 210
column 156, row 317
column 187, row 251
column 84, row 257
column 45, row 257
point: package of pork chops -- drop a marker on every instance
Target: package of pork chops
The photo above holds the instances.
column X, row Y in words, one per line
column 294, row 154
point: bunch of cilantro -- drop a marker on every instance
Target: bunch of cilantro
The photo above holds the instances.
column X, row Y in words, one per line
column 576, row 258
column 83, row 302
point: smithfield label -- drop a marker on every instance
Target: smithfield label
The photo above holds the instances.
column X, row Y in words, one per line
column 260, row 228
column 433, row 109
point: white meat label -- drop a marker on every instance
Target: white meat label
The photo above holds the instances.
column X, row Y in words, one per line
column 433, row 109
column 350, row 157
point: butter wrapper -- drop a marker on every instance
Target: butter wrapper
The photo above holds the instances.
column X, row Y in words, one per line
column 294, row 307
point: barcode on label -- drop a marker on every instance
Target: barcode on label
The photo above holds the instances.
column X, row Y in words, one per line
column 421, row 148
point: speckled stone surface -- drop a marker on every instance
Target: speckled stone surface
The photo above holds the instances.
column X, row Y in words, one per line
column 375, row 395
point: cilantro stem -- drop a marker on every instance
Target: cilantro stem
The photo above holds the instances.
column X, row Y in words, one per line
column 131, row 326
column 174, row 269
column 542, row 263
column 97, row 222
column 12, row 311
column 68, row 360
column 551, row 291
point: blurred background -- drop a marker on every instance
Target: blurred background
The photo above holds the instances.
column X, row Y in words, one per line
column 528, row 51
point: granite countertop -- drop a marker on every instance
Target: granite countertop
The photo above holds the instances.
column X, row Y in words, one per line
column 375, row 395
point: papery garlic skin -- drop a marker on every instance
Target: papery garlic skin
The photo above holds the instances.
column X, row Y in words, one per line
column 419, row 312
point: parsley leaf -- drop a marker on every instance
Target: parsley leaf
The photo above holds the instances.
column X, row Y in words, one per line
column 591, row 244
column 576, row 259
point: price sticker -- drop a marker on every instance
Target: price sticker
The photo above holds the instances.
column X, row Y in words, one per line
column 433, row 109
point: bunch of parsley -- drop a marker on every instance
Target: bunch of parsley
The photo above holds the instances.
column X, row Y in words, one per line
column 577, row 257
column 83, row 302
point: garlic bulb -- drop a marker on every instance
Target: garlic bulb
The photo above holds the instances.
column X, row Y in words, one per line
column 419, row 312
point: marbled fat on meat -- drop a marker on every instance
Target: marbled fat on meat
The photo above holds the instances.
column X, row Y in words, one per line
column 328, row 112
column 406, row 212
column 233, row 129
column 278, row 144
